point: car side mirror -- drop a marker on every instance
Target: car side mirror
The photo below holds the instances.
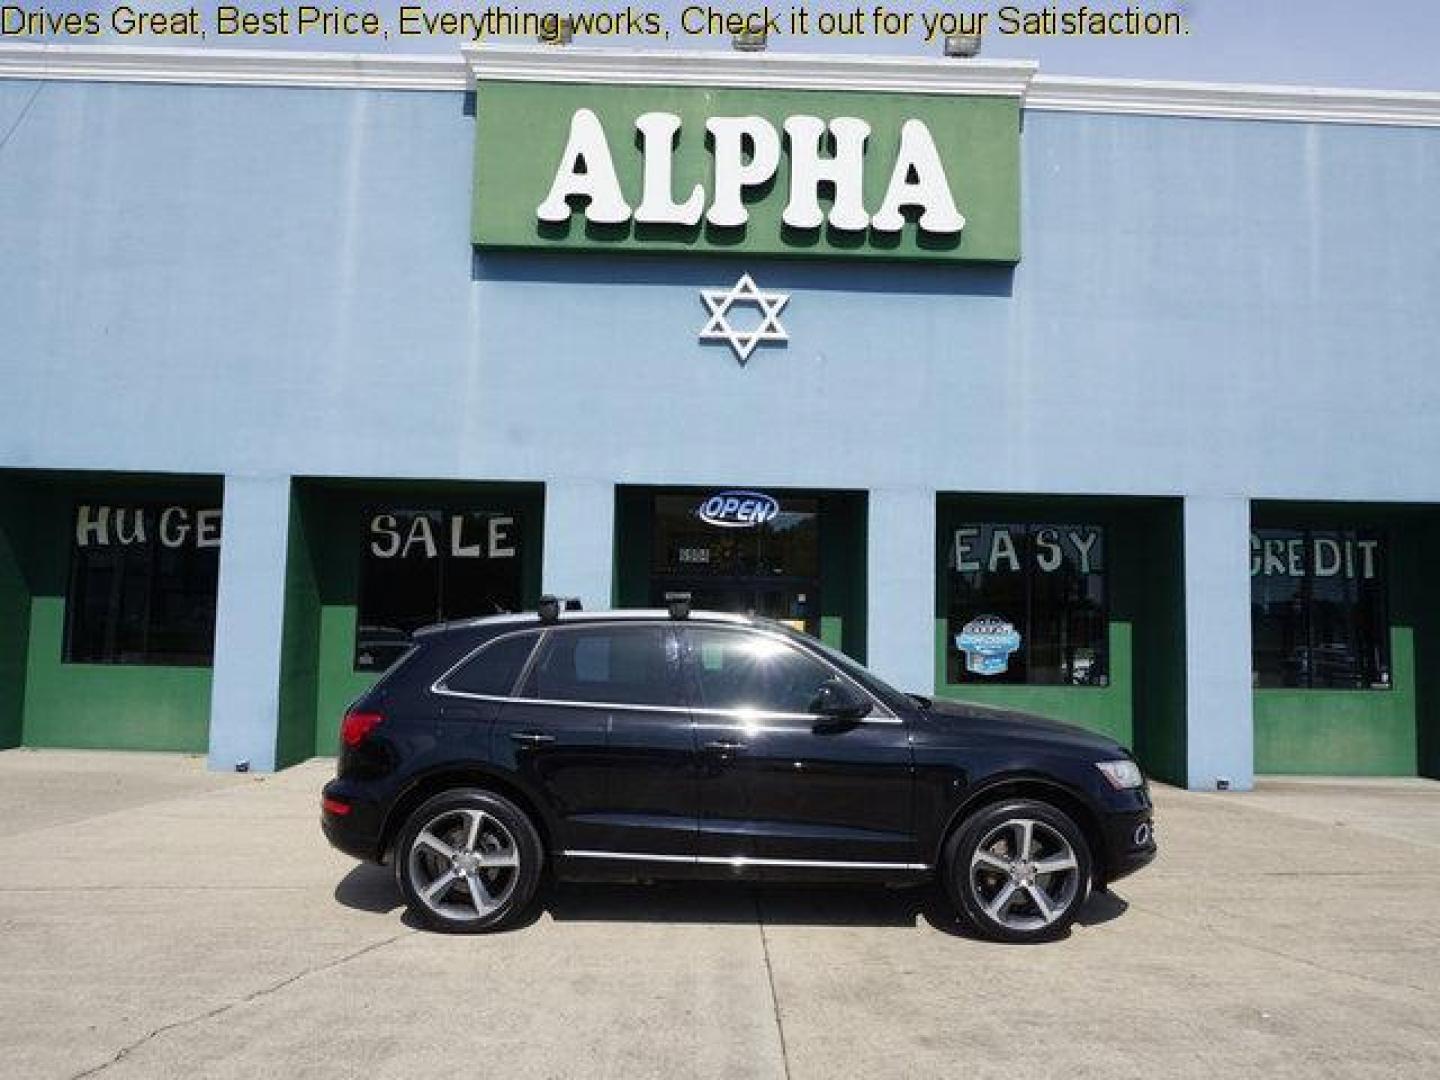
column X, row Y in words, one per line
column 836, row 704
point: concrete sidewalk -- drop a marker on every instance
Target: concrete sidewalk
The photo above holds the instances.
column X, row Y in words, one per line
column 157, row 921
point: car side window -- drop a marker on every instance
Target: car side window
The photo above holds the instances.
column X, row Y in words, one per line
column 607, row 665
column 494, row 670
column 734, row 669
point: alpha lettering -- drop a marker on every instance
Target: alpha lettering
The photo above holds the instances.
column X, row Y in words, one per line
column 747, row 156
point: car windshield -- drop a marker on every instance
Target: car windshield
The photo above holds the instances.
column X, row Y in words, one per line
column 892, row 698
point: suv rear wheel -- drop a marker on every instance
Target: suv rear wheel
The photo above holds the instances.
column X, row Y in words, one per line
column 468, row 861
column 1018, row 871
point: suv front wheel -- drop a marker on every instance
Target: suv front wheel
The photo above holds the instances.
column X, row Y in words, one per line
column 1018, row 871
column 468, row 861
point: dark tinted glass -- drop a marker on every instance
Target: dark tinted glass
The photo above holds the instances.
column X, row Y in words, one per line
column 623, row 665
column 495, row 669
column 1038, row 591
column 426, row 566
column 686, row 545
column 1317, row 609
column 770, row 569
column 739, row 670
column 142, row 585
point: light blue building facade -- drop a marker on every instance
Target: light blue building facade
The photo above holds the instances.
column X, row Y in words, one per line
column 250, row 285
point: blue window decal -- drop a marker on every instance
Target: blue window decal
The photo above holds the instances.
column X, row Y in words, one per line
column 987, row 642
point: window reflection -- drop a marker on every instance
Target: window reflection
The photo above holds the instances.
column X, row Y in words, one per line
column 1318, row 618
column 740, row 671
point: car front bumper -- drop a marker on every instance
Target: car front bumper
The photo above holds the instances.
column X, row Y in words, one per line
column 1129, row 829
column 1131, row 845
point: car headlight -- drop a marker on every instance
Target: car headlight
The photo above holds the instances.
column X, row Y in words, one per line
column 1122, row 774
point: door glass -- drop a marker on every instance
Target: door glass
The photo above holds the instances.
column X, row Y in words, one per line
column 753, row 672
column 621, row 665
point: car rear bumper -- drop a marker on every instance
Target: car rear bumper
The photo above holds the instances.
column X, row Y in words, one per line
column 352, row 824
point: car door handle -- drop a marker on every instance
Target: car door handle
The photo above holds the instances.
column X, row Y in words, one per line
column 532, row 738
column 723, row 746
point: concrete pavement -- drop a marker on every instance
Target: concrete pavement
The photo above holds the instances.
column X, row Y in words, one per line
column 160, row 921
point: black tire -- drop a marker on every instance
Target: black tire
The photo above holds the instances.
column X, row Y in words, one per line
column 475, row 889
column 1005, row 898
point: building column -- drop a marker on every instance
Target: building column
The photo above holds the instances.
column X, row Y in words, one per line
column 900, row 637
column 580, row 541
column 1220, row 736
column 249, row 622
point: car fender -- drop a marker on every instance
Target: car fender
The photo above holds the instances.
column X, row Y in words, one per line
column 1021, row 783
column 460, row 773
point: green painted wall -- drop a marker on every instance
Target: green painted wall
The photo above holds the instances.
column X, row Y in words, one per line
column 1159, row 647
column 843, row 580
column 1349, row 732
column 300, row 644
column 1427, row 651
column 340, row 684
column 522, row 129
column 319, row 680
column 115, row 706
column 14, row 613
column 1141, row 706
column 1364, row 732
column 844, row 571
column 634, row 537
column 109, row 706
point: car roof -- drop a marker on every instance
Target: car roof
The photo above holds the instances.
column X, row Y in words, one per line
column 530, row 618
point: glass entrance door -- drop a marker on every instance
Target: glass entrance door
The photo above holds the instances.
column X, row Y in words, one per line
column 795, row 603
column 767, row 564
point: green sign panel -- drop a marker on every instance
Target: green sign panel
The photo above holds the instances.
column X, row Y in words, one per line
column 775, row 172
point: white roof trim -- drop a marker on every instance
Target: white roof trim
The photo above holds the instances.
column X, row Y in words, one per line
column 761, row 71
column 934, row 75
column 1236, row 101
column 231, row 67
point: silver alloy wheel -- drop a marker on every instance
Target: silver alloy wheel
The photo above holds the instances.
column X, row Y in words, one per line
column 464, row 864
column 1024, row 874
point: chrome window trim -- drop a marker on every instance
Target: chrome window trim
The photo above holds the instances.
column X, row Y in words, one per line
column 741, row 861
column 742, row 716
column 439, row 687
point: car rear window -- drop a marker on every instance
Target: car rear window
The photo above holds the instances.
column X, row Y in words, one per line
column 494, row 669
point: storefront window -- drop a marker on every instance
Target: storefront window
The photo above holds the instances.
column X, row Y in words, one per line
column 1317, row 614
column 427, row 566
column 142, row 585
column 740, row 551
column 1027, row 605
column 689, row 543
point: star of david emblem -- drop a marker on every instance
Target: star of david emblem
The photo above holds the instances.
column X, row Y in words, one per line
column 743, row 292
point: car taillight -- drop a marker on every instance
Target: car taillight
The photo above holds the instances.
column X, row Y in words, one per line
column 357, row 725
column 335, row 806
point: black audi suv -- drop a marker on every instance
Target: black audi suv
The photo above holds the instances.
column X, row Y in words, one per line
column 670, row 744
